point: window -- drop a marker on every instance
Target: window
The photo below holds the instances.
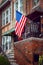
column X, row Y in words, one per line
column 6, row 16
column 6, row 42
column 18, row 5
column 34, row 27
column 35, row 3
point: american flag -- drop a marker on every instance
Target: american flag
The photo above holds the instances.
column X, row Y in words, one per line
column 20, row 23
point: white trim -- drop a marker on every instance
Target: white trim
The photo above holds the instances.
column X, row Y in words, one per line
column 11, row 11
column 29, row 39
column 18, row 5
column 14, row 10
column 4, row 3
column 36, row 6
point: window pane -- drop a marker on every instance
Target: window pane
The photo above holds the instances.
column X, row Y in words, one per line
column 6, row 16
column 10, row 10
column 6, row 20
column 21, row 5
column 3, row 15
column 6, row 46
column 3, row 22
column 6, row 38
column 8, row 42
column 3, row 40
column 3, row 43
column 3, row 18
column 7, row 13
column 17, row 5
column 35, row 2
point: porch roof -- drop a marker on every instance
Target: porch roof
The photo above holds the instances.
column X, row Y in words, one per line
column 34, row 15
column 9, row 32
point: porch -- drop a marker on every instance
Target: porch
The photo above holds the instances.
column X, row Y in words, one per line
column 29, row 51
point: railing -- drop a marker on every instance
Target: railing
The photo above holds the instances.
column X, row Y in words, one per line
column 29, row 39
column 3, row 53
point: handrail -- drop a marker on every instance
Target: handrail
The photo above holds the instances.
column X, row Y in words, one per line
column 3, row 53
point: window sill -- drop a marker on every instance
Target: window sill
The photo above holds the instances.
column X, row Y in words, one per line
column 5, row 25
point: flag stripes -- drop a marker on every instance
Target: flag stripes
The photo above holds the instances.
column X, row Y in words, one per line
column 20, row 25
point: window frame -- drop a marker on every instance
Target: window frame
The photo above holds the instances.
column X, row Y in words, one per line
column 19, row 6
column 9, row 14
column 7, row 43
column 37, row 4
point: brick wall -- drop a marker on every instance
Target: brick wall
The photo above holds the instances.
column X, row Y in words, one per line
column 41, row 4
column 0, row 26
column 27, row 6
column 24, row 51
column 41, row 25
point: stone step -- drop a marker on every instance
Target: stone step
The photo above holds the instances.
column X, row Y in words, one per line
column 14, row 64
column 11, row 60
column 10, row 56
column 11, row 52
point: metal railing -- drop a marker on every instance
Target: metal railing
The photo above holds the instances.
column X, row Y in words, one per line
column 3, row 53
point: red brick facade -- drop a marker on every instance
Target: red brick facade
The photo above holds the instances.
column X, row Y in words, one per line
column 25, row 50
column 0, row 1
column 0, row 27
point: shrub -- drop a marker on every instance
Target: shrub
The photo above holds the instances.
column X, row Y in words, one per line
column 4, row 60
